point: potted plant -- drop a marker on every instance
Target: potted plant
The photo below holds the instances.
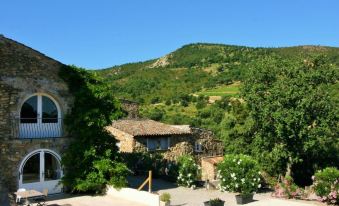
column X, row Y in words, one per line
column 214, row 202
column 165, row 199
column 239, row 174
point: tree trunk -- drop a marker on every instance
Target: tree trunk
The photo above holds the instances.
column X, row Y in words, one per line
column 288, row 166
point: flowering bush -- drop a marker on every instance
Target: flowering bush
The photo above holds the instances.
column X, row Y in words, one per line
column 239, row 173
column 188, row 171
column 326, row 185
column 287, row 188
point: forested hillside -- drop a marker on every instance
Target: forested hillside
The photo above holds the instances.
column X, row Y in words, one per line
column 275, row 104
column 178, row 87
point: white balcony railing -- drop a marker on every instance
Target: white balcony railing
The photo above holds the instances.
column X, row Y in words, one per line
column 37, row 128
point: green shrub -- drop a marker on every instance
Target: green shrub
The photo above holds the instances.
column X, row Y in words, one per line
column 165, row 197
column 326, row 185
column 215, row 202
column 239, row 173
column 188, row 171
column 287, row 188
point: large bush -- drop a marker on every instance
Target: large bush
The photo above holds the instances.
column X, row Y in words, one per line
column 188, row 171
column 239, row 173
column 326, row 185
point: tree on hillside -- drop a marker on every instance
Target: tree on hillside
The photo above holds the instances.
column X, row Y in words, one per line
column 294, row 119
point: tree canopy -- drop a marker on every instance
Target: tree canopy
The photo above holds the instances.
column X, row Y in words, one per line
column 292, row 120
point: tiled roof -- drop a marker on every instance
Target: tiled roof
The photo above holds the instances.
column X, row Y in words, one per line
column 146, row 127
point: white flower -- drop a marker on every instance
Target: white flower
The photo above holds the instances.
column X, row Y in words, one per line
column 235, row 178
column 259, row 185
column 233, row 175
column 239, row 162
column 236, row 185
column 189, row 175
column 258, row 179
column 259, row 173
column 243, row 180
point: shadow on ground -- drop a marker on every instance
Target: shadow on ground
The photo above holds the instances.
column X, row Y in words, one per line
column 157, row 183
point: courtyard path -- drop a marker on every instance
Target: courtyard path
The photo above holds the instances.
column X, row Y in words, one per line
column 66, row 200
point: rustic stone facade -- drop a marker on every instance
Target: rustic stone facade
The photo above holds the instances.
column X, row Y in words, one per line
column 23, row 73
column 209, row 167
column 134, row 135
column 131, row 108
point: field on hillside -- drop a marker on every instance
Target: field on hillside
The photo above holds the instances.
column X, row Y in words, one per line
column 231, row 90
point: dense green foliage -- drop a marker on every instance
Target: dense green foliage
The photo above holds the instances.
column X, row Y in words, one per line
column 239, row 173
column 295, row 120
column 284, row 116
column 326, row 185
column 188, row 171
column 91, row 160
column 197, row 67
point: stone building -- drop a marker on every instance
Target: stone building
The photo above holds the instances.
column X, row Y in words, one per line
column 208, row 167
column 33, row 102
column 143, row 135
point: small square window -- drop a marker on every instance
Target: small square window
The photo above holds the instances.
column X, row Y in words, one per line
column 198, row 147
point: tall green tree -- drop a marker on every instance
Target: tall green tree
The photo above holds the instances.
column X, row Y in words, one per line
column 295, row 120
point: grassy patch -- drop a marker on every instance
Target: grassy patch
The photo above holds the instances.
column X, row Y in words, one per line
column 224, row 90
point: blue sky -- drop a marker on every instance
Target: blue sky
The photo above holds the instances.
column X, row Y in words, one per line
column 102, row 33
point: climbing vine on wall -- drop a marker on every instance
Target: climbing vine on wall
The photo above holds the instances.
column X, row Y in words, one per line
column 91, row 160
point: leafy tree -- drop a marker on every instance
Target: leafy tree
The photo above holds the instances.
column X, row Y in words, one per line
column 91, row 160
column 155, row 114
column 295, row 120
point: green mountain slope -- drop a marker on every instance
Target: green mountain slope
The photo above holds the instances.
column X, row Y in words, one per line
column 196, row 68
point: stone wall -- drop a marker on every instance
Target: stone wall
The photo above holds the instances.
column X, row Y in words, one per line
column 209, row 167
column 127, row 142
column 131, row 108
column 207, row 170
column 25, row 72
column 185, row 144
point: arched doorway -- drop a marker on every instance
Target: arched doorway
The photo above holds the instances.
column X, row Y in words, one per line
column 40, row 117
column 41, row 169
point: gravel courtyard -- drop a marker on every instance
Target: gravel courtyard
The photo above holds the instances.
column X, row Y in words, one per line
column 181, row 196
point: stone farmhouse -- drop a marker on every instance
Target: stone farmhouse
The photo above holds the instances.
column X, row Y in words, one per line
column 144, row 135
column 33, row 102
column 135, row 134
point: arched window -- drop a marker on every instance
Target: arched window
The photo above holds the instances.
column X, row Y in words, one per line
column 40, row 117
column 41, row 169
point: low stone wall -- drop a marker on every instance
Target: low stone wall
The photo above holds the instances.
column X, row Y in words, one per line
column 134, row 195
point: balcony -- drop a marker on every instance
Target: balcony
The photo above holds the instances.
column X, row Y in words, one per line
column 35, row 128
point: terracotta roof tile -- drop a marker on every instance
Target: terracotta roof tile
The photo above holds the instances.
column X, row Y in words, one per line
column 146, row 127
